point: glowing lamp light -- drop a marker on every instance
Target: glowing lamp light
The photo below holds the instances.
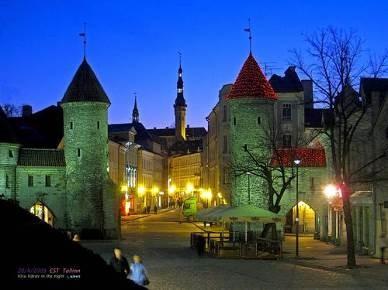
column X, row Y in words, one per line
column 297, row 162
column 124, row 188
column 141, row 190
column 171, row 189
column 155, row 190
column 207, row 194
column 219, row 195
column 189, row 187
column 331, row 191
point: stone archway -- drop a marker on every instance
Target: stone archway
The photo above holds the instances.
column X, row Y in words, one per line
column 307, row 219
column 40, row 210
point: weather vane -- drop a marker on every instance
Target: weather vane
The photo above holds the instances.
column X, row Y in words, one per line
column 250, row 34
column 83, row 35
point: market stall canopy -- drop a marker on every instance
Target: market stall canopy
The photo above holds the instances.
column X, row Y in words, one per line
column 206, row 213
column 242, row 213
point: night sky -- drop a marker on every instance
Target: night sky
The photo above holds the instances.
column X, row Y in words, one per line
column 133, row 45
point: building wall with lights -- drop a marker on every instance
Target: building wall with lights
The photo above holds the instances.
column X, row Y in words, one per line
column 185, row 169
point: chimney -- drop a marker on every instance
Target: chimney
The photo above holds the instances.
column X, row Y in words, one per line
column 26, row 110
column 308, row 94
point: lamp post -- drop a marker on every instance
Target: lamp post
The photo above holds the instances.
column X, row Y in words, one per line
column 249, row 187
column 297, row 163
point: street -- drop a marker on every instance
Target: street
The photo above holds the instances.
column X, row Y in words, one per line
column 163, row 243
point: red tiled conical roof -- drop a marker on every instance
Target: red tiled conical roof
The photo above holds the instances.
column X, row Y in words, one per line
column 251, row 82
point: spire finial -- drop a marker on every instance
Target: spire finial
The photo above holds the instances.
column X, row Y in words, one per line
column 249, row 30
column 83, row 35
column 135, row 111
column 180, row 58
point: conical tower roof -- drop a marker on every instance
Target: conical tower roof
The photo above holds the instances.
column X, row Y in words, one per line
column 7, row 134
column 85, row 87
column 251, row 82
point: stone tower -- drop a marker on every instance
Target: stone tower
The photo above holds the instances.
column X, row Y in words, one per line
column 250, row 107
column 180, row 109
column 90, row 199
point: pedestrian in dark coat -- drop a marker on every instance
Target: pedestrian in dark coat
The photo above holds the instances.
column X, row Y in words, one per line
column 119, row 263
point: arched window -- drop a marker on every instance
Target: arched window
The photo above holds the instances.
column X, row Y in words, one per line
column 40, row 210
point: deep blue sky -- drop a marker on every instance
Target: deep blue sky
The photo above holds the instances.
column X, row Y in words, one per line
column 132, row 46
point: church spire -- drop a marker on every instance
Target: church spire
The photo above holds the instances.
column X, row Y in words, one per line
column 135, row 112
column 180, row 107
column 180, row 99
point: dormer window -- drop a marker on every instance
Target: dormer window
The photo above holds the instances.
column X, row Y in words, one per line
column 10, row 153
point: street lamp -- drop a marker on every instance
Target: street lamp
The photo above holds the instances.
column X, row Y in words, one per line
column 297, row 163
column 189, row 188
column 249, row 187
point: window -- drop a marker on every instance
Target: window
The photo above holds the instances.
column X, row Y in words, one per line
column 224, row 117
column 287, row 141
column 258, row 120
column 48, row 181
column 286, row 112
column 225, row 145
column 79, row 152
column 234, row 121
column 71, row 125
column 10, row 153
column 30, row 181
column 98, row 124
column 7, row 181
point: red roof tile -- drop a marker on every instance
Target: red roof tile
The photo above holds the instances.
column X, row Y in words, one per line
column 309, row 157
column 251, row 82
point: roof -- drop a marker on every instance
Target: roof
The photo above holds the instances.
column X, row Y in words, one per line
column 313, row 117
column 309, row 157
column 369, row 85
column 85, row 87
column 43, row 129
column 251, row 82
column 185, row 147
column 41, row 157
column 191, row 132
column 7, row 132
column 290, row 82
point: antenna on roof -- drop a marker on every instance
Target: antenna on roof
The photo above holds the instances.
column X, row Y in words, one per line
column 83, row 35
column 249, row 30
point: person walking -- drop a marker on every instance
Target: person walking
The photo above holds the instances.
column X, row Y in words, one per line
column 383, row 245
column 155, row 209
column 119, row 263
column 138, row 272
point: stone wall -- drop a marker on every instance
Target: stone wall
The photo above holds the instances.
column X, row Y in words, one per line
column 53, row 196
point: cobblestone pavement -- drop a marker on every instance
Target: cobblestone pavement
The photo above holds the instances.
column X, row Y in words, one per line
column 163, row 242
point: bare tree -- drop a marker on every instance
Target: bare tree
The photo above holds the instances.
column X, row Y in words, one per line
column 11, row 110
column 335, row 67
column 272, row 162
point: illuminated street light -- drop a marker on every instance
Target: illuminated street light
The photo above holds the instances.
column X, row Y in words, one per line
column 189, row 187
column 124, row 188
column 331, row 191
column 155, row 190
column 297, row 162
column 141, row 191
column 171, row 189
